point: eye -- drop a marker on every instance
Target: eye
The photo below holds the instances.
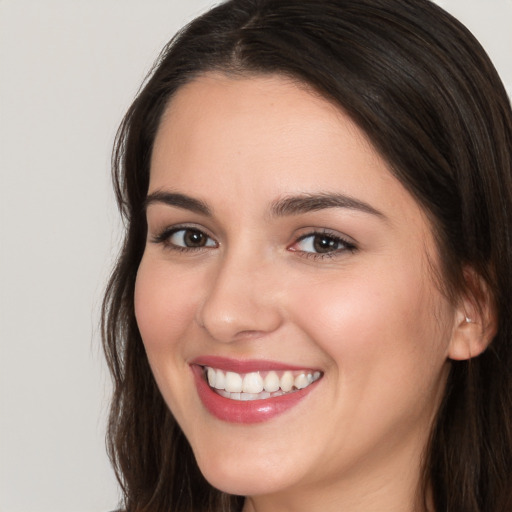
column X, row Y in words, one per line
column 185, row 239
column 322, row 244
column 191, row 238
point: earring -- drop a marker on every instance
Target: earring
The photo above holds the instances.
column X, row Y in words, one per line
column 468, row 320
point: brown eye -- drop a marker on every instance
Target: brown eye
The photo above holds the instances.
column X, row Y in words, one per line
column 322, row 244
column 194, row 238
column 190, row 239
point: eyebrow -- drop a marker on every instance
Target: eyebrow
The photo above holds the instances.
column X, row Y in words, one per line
column 304, row 203
column 178, row 200
column 287, row 206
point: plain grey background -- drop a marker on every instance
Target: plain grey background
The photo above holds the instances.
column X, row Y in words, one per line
column 68, row 71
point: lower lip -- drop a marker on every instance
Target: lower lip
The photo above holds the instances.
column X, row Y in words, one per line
column 251, row 411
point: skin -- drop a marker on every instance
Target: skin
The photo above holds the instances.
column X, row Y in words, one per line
column 372, row 319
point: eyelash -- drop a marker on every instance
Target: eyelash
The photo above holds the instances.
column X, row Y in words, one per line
column 333, row 237
column 165, row 236
column 164, row 239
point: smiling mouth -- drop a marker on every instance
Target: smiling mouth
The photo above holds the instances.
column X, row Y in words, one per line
column 258, row 385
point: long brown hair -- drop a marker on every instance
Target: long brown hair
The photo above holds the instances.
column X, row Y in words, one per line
column 427, row 96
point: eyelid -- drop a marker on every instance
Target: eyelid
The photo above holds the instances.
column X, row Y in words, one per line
column 163, row 236
column 349, row 245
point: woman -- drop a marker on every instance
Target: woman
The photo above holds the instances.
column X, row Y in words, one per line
column 311, row 310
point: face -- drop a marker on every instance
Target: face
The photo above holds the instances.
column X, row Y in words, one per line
column 285, row 263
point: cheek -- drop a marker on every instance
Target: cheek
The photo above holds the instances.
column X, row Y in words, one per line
column 164, row 315
column 378, row 327
column 162, row 309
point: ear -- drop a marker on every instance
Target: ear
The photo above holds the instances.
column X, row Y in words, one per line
column 475, row 321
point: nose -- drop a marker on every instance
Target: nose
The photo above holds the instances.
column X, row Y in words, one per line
column 241, row 300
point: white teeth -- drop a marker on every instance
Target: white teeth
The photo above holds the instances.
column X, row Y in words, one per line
column 252, row 383
column 271, row 382
column 301, row 381
column 249, row 396
column 220, row 379
column 287, row 381
column 252, row 386
column 211, row 377
column 233, row 382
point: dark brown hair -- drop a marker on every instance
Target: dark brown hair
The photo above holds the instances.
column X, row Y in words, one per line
column 427, row 96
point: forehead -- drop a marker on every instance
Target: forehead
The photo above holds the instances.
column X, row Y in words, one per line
column 263, row 124
column 240, row 145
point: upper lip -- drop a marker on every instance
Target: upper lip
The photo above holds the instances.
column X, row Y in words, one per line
column 245, row 365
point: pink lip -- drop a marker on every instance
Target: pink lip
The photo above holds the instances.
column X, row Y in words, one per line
column 245, row 412
column 244, row 366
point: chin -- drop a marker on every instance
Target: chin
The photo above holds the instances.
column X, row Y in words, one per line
column 245, row 478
